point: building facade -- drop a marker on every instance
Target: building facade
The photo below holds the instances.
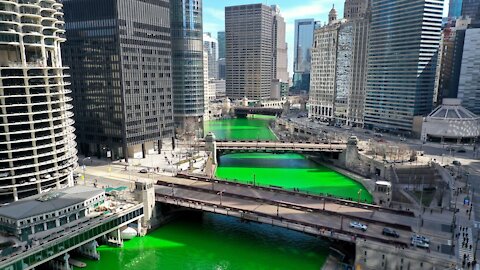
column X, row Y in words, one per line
column 401, row 62
column 280, row 47
column 187, row 62
column 37, row 141
column 210, row 46
column 120, row 56
column 355, row 9
column 248, row 37
column 302, row 54
column 471, row 8
column 469, row 82
column 338, row 75
column 453, row 38
column 455, row 8
column 221, row 44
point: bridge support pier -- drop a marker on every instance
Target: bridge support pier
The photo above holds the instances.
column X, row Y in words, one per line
column 211, row 146
column 89, row 250
column 60, row 263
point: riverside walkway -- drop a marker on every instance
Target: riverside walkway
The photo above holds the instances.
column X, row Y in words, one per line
column 323, row 216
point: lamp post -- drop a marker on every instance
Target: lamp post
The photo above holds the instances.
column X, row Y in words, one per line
column 84, row 167
column 221, row 194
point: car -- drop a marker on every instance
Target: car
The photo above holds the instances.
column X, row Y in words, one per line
column 390, row 232
column 46, row 176
column 461, row 150
column 419, row 243
column 143, row 171
column 4, row 174
column 456, row 162
column 358, row 225
column 76, row 175
column 421, row 238
column 32, row 180
column 378, row 135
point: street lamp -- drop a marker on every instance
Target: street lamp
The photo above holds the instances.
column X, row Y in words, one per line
column 221, row 194
column 84, row 167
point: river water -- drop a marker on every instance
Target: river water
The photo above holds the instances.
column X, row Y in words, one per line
column 214, row 242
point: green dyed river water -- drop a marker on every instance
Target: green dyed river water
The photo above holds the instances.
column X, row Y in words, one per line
column 215, row 242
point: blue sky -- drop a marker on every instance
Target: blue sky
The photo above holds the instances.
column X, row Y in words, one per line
column 214, row 14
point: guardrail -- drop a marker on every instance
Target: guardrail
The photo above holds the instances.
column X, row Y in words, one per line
column 286, row 205
column 297, row 193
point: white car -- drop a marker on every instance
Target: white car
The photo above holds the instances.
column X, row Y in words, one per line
column 358, row 225
column 419, row 243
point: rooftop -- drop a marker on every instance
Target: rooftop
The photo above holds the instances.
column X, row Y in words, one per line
column 48, row 202
column 451, row 109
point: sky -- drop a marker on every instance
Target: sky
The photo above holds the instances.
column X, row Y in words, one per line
column 214, row 15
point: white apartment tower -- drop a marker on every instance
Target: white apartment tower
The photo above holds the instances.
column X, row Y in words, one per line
column 37, row 143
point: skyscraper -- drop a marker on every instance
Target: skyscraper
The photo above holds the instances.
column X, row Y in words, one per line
column 187, row 62
column 37, row 143
column 302, row 53
column 210, row 47
column 469, row 83
column 471, row 8
column 255, row 36
column 119, row 54
column 221, row 44
column 248, row 36
column 279, row 47
column 338, row 74
column 451, row 59
column 355, row 9
column 401, row 62
column 455, row 9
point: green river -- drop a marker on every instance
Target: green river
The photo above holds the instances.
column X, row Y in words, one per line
column 214, row 242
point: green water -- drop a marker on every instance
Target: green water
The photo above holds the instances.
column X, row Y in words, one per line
column 252, row 128
column 215, row 243
column 289, row 171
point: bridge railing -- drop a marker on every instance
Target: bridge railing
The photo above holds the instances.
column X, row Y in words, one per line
column 286, row 205
column 249, row 215
column 306, row 194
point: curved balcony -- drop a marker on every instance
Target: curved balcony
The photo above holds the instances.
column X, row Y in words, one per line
column 38, row 121
column 66, row 160
column 46, row 128
column 39, row 147
column 65, row 133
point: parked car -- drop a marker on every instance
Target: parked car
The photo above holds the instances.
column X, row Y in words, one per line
column 390, row 232
column 4, row 174
column 358, row 225
column 76, row 175
column 143, row 171
column 461, row 150
column 456, row 162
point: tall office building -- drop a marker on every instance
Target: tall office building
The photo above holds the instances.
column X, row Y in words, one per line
column 279, row 47
column 248, row 36
column 338, row 74
column 453, row 38
column 37, row 141
column 256, row 51
column 187, row 62
column 403, row 47
column 455, row 9
column 210, row 47
column 471, row 8
column 302, row 54
column 119, row 54
column 469, row 83
column 221, row 44
column 355, row 9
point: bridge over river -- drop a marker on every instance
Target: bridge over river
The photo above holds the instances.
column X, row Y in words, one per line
column 313, row 214
column 281, row 146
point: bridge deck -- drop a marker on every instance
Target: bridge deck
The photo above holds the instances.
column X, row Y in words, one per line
column 279, row 146
column 297, row 209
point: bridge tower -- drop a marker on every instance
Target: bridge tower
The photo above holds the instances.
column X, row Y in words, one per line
column 349, row 157
column 211, row 146
column 144, row 192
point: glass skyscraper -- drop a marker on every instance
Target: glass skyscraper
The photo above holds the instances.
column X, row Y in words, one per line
column 221, row 44
column 455, row 8
column 187, row 62
column 403, row 49
column 302, row 53
column 471, row 8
